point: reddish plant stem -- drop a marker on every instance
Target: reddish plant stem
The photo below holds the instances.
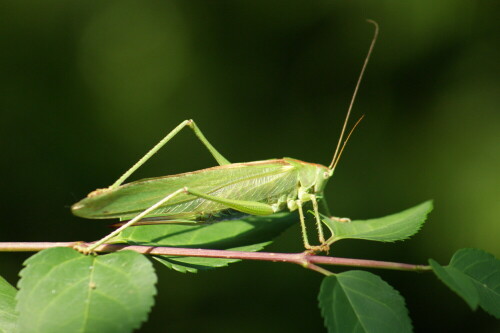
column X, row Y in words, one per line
column 304, row 259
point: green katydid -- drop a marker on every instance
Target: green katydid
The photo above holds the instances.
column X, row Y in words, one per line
column 256, row 188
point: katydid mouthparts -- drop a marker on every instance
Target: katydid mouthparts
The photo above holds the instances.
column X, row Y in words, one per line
column 256, row 188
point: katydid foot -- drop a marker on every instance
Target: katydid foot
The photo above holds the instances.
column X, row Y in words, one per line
column 340, row 219
column 83, row 248
column 314, row 249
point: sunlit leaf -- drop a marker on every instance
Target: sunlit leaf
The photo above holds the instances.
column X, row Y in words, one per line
column 62, row 290
column 385, row 229
column 8, row 315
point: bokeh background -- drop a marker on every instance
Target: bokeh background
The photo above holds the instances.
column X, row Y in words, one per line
column 86, row 87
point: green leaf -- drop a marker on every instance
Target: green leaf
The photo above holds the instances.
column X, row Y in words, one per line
column 475, row 276
column 385, row 229
column 8, row 315
column 250, row 233
column 358, row 301
column 62, row 290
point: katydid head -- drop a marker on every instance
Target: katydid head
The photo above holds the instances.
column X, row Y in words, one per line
column 341, row 144
column 322, row 175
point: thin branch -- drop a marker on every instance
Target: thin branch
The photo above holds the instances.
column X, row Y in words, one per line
column 303, row 258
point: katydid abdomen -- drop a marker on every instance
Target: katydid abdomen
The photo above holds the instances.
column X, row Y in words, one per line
column 273, row 182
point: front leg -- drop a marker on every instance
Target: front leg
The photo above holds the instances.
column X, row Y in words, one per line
column 319, row 224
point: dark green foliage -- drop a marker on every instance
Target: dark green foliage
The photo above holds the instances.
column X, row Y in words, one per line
column 358, row 301
column 475, row 276
column 247, row 234
column 194, row 264
column 62, row 290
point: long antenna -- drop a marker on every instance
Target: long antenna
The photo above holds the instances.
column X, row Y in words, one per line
column 346, row 140
column 340, row 144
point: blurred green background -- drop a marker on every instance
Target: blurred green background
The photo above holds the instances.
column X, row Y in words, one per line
column 88, row 86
